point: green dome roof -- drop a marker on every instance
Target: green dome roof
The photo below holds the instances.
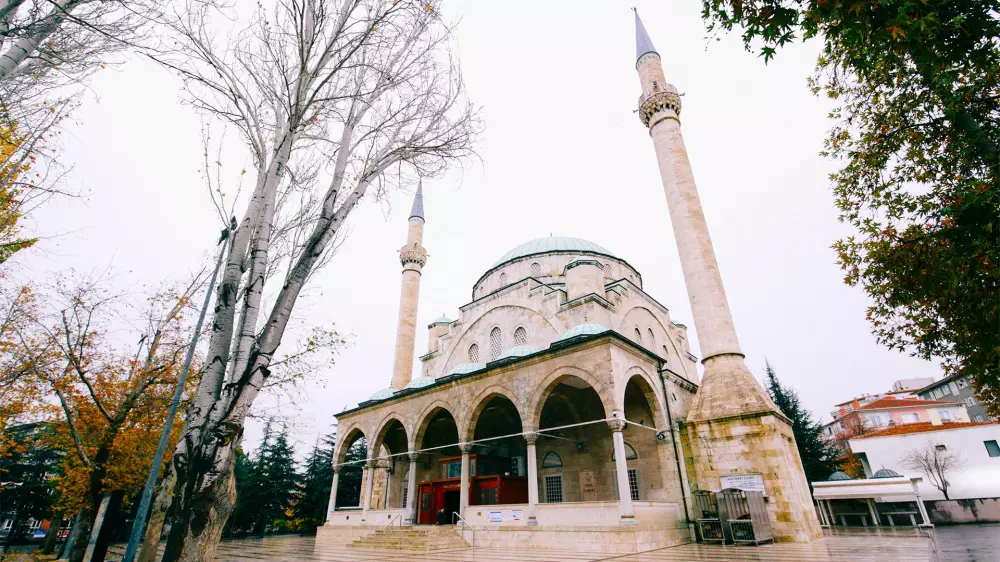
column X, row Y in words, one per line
column 886, row 473
column 553, row 244
column 466, row 368
column 582, row 330
column 383, row 394
column 420, row 382
column 442, row 320
column 838, row 476
column 519, row 351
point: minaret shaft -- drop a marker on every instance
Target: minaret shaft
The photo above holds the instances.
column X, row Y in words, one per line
column 412, row 257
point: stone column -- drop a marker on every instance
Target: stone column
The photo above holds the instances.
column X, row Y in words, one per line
column 369, row 474
column 920, row 504
column 463, row 501
column 626, row 511
column 333, row 493
column 411, row 490
column 830, row 514
column 822, row 514
column 871, row 508
column 531, row 438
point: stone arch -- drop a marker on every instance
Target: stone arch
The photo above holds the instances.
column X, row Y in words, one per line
column 460, row 342
column 383, row 427
column 422, row 420
column 553, row 379
column 648, row 388
column 353, row 433
column 666, row 336
column 480, row 402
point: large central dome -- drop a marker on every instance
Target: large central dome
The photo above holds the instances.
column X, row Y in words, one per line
column 553, row 244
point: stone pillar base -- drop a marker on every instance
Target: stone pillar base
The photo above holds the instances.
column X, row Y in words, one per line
column 628, row 522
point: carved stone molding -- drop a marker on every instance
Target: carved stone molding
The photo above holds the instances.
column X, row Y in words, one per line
column 659, row 102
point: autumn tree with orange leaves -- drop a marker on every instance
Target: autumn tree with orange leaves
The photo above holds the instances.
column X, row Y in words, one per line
column 105, row 389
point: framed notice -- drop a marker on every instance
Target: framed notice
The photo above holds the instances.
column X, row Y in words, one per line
column 495, row 516
column 749, row 482
column 516, row 514
column 508, row 515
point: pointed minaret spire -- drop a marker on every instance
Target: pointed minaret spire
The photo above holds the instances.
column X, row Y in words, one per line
column 643, row 44
column 418, row 202
column 412, row 257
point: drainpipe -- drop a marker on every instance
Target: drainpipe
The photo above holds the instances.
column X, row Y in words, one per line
column 673, row 441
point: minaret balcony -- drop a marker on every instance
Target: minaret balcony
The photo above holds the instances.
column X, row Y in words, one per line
column 413, row 254
column 653, row 108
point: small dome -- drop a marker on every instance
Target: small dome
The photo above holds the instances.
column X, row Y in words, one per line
column 383, row 394
column 466, row 368
column 838, row 476
column 582, row 330
column 553, row 244
column 886, row 473
column 519, row 351
column 442, row 320
column 420, row 382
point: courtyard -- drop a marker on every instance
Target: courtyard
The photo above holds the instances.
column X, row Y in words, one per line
column 962, row 543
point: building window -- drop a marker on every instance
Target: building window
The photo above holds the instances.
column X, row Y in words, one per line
column 630, row 454
column 978, row 418
column 953, row 388
column 962, row 383
column 552, row 460
column 910, row 418
column 406, row 492
column 940, row 448
column 638, row 336
column 945, row 415
column 633, row 484
column 607, row 271
column 473, row 353
column 503, row 279
column 536, row 269
column 496, row 343
column 520, row 336
column 553, row 489
column 992, row 448
column 971, row 401
column 652, row 338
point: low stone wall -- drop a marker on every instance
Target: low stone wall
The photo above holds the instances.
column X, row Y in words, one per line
column 981, row 510
column 341, row 535
column 356, row 517
column 608, row 540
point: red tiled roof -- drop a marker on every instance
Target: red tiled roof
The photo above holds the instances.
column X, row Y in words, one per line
column 900, row 402
column 922, row 427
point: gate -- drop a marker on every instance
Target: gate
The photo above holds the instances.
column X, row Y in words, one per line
column 732, row 516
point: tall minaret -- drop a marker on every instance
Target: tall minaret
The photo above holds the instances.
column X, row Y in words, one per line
column 733, row 427
column 412, row 256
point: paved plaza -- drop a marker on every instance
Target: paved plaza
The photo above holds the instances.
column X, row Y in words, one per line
column 964, row 543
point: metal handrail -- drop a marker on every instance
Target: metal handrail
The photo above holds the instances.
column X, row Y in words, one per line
column 465, row 524
column 393, row 520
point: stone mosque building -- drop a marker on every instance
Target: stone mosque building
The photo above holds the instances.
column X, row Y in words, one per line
column 563, row 407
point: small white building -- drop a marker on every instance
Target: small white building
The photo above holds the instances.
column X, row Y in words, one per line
column 974, row 445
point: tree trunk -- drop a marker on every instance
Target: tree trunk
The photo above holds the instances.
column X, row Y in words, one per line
column 196, row 531
column 26, row 46
column 84, row 527
column 154, row 527
column 53, row 536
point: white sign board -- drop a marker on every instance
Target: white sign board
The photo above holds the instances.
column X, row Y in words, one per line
column 752, row 482
column 494, row 516
column 517, row 514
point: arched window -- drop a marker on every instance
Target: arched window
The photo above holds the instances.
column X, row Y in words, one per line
column 652, row 338
column 630, row 454
column 503, row 279
column 638, row 336
column 607, row 271
column 520, row 336
column 552, row 460
column 666, row 356
column 473, row 353
column 496, row 345
column 536, row 269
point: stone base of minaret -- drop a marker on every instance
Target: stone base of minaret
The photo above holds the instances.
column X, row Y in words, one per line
column 734, row 428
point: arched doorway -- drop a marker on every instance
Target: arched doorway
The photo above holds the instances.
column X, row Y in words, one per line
column 498, row 456
column 572, row 461
column 353, row 453
column 642, row 458
column 439, row 466
column 389, row 488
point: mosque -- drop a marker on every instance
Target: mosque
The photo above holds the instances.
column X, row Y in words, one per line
column 563, row 407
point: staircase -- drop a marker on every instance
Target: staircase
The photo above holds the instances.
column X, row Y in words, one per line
column 422, row 538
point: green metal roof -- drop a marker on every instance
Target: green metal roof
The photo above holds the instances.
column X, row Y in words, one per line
column 519, row 351
column 582, row 330
column 553, row 244
column 839, row 476
column 466, row 368
column 383, row 394
column 886, row 473
column 420, row 382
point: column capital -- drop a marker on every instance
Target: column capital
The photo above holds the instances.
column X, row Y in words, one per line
column 531, row 438
column 616, row 425
column 466, row 448
column 371, row 463
column 414, row 457
column 336, row 469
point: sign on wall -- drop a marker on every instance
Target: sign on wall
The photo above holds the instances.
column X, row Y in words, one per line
column 495, row 516
column 749, row 482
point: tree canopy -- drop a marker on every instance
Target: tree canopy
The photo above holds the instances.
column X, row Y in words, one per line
column 915, row 132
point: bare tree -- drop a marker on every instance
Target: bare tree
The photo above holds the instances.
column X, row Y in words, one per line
column 362, row 95
column 936, row 462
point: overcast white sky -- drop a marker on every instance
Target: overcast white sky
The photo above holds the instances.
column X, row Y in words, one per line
column 563, row 153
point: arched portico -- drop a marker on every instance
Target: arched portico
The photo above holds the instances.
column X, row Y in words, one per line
column 483, row 400
column 577, row 377
column 390, row 445
column 349, row 470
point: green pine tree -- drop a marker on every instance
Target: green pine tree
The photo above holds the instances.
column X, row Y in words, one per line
column 818, row 457
column 349, row 484
column 245, row 514
column 278, row 475
column 316, row 483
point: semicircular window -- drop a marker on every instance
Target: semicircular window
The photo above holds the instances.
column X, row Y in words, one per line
column 630, row 454
column 552, row 460
column 520, row 336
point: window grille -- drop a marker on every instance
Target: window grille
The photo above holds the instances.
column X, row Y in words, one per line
column 638, row 336
column 520, row 336
column 630, row 454
column 666, row 355
column 633, row 484
column 503, row 279
column 962, row 383
column 406, row 492
column 652, row 338
column 552, row 460
column 553, row 489
column 536, row 269
column 608, row 274
column 473, row 353
column 496, row 345
column 971, row 401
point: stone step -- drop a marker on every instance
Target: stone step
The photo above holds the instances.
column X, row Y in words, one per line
column 425, row 539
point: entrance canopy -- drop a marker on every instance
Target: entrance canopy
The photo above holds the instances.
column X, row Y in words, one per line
column 889, row 489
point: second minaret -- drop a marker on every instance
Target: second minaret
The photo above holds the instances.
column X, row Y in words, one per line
column 412, row 257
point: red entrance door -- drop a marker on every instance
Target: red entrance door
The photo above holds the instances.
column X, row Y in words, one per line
column 427, row 505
